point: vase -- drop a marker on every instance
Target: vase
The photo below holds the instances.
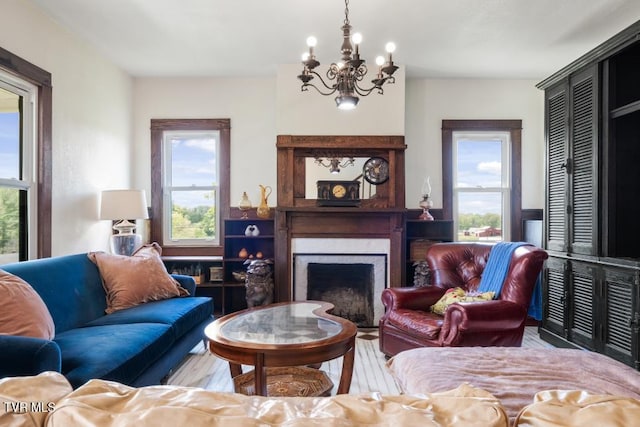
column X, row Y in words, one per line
column 263, row 208
column 244, row 205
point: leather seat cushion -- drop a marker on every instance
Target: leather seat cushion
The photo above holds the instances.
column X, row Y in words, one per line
column 423, row 323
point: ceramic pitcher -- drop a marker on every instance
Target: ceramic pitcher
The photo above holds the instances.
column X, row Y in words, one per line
column 263, row 207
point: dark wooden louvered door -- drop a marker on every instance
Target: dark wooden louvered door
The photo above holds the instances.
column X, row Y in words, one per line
column 582, row 285
column 583, row 163
column 557, row 117
column 555, row 296
column 619, row 320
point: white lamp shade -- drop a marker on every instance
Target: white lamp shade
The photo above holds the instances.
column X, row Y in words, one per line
column 123, row 204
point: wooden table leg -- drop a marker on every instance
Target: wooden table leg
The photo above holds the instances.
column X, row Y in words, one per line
column 347, row 368
column 260, row 376
column 235, row 369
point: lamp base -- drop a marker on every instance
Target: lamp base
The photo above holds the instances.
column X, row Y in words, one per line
column 125, row 244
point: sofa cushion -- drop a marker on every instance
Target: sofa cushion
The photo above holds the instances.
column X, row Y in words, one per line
column 182, row 314
column 40, row 392
column 69, row 285
column 577, row 408
column 114, row 352
column 424, row 323
column 101, row 403
column 129, row 281
column 23, row 311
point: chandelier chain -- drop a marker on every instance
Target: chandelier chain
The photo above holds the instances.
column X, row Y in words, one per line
column 346, row 12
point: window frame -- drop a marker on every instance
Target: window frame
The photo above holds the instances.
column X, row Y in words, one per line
column 42, row 165
column 514, row 128
column 157, row 231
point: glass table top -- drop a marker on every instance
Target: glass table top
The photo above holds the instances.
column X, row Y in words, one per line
column 282, row 324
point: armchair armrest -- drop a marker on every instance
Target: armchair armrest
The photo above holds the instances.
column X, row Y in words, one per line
column 485, row 316
column 186, row 282
column 411, row 298
column 21, row 356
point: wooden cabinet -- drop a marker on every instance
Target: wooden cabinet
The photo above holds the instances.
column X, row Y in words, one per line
column 592, row 123
column 419, row 235
column 205, row 270
column 592, row 306
column 244, row 239
column 572, row 133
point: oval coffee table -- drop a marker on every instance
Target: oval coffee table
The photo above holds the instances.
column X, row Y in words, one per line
column 292, row 334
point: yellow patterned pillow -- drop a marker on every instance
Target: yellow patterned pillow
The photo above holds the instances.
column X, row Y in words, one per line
column 459, row 295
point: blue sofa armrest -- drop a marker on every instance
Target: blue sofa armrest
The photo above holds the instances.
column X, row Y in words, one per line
column 21, row 356
column 186, row 282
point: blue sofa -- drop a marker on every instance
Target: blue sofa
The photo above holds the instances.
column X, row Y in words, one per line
column 137, row 346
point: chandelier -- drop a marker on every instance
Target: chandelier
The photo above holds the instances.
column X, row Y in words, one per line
column 335, row 163
column 346, row 77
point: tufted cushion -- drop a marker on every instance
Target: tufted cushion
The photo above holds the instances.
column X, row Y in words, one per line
column 129, row 281
column 23, row 311
column 457, row 265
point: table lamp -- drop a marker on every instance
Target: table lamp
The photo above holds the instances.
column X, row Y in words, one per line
column 122, row 206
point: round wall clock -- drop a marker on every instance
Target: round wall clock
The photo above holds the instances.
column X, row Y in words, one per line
column 376, row 170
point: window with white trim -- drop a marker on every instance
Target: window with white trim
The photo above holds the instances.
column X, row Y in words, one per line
column 481, row 186
column 18, row 189
column 191, row 188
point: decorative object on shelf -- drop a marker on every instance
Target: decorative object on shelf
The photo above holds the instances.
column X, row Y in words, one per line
column 123, row 205
column 338, row 193
column 259, row 282
column 263, row 209
column 240, row 276
column 376, row 170
column 244, row 205
column 421, row 274
column 243, row 253
column 426, row 202
column 216, row 274
column 334, row 163
column 252, row 230
column 345, row 77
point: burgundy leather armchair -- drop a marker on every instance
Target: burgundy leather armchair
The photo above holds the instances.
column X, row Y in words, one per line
column 408, row 323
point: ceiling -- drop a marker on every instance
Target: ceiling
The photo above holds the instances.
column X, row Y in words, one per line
column 522, row 39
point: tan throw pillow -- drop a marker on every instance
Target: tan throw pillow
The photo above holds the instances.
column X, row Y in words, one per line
column 140, row 278
column 458, row 295
column 23, row 311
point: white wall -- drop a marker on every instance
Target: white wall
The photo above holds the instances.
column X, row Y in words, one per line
column 431, row 101
column 309, row 113
column 91, row 123
column 249, row 103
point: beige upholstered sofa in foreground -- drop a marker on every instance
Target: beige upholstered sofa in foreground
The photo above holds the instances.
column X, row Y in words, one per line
column 48, row 400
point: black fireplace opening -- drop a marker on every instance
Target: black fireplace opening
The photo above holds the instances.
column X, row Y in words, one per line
column 349, row 287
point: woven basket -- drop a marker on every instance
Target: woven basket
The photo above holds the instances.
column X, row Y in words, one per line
column 288, row 381
column 418, row 249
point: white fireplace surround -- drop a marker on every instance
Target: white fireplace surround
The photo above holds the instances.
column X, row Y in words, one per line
column 341, row 251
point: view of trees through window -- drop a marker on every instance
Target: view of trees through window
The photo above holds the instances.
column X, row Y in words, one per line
column 480, row 187
column 9, row 178
column 192, row 177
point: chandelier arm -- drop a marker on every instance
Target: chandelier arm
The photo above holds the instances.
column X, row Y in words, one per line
column 364, row 92
column 332, row 88
column 306, row 85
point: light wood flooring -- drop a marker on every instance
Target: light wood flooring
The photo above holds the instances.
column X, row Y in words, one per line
column 201, row 369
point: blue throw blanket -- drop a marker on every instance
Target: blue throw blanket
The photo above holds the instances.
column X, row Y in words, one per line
column 496, row 271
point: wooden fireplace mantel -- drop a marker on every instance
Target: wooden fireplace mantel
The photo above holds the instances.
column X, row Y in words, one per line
column 298, row 217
